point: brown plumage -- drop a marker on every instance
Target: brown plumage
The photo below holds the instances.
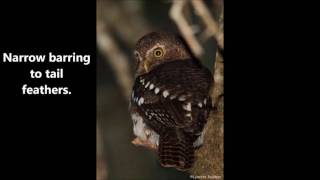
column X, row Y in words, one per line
column 170, row 102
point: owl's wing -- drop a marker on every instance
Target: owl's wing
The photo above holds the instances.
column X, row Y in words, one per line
column 174, row 95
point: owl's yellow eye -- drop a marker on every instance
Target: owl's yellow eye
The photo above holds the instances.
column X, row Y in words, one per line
column 158, row 52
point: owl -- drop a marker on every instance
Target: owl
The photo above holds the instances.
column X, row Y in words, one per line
column 170, row 100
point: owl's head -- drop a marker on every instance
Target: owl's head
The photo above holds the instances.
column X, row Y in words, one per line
column 157, row 48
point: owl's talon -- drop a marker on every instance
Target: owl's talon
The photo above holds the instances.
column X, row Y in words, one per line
column 136, row 142
column 139, row 142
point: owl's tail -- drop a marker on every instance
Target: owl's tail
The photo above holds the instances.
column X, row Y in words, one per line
column 176, row 150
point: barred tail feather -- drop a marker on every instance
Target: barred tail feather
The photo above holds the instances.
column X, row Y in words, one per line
column 176, row 150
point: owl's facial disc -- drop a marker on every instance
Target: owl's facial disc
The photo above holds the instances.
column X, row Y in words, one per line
column 137, row 56
column 153, row 56
column 156, row 48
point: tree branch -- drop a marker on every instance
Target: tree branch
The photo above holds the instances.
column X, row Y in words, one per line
column 116, row 58
column 101, row 170
column 203, row 12
column 209, row 158
column 176, row 14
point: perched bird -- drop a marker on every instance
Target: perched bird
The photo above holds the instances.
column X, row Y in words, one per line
column 170, row 100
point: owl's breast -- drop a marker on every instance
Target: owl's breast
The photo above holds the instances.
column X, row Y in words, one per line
column 145, row 135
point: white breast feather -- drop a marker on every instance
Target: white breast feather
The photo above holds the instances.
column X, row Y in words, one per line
column 199, row 140
column 139, row 130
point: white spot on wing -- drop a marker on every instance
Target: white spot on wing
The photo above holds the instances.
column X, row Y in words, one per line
column 147, row 84
column 141, row 100
column 165, row 93
column 142, row 81
column 188, row 115
column 200, row 104
column 173, row 96
column 151, row 86
column 205, row 101
column 156, row 90
column 187, row 107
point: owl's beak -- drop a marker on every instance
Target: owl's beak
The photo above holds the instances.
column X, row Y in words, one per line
column 146, row 66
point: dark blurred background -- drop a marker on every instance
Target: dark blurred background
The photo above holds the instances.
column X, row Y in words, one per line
column 119, row 25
